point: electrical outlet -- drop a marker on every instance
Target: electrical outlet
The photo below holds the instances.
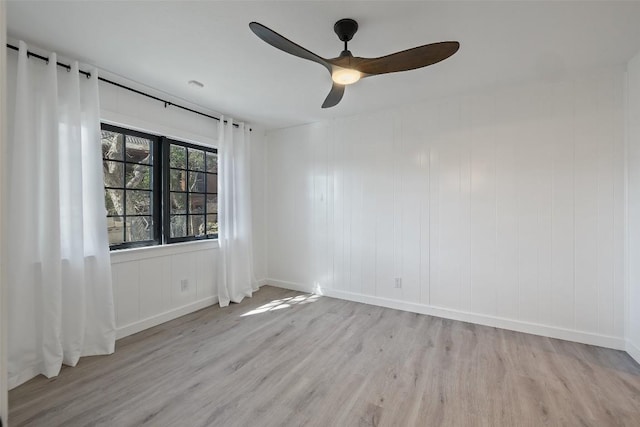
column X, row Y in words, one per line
column 398, row 282
column 184, row 285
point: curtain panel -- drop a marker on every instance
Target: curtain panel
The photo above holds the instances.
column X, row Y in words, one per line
column 60, row 294
column 236, row 277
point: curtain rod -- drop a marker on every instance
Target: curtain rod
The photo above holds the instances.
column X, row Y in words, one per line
column 102, row 79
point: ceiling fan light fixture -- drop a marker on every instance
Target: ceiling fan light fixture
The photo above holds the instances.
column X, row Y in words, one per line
column 345, row 76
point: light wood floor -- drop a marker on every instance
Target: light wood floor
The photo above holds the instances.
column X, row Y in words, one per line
column 326, row 362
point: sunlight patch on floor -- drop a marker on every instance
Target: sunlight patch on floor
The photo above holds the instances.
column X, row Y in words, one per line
column 278, row 304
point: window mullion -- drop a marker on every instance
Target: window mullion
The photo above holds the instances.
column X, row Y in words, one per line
column 124, row 188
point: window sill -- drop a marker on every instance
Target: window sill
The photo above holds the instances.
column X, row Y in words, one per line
column 145, row 252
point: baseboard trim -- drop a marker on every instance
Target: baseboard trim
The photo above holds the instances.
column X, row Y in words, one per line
column 150, row 322
column 617, row 343
column 291, row 286
column 633, row 351
column 158, row 319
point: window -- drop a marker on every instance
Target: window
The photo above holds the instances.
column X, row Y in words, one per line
column 131, row 184
column 192, row 192
column 157, row 190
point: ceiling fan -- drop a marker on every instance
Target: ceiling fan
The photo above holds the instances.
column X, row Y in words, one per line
column 347, row 69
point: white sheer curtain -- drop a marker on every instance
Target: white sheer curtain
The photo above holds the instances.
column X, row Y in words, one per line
column 236, row 278
column 58, row 270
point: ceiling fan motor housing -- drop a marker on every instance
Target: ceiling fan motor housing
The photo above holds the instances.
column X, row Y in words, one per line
column 345, row 29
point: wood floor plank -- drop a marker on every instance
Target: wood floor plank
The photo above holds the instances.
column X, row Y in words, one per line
column 282, row 358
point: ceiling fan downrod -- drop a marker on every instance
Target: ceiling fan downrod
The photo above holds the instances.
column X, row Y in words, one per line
column 345, row 29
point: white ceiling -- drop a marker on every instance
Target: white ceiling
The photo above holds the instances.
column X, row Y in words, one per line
column 164, row 44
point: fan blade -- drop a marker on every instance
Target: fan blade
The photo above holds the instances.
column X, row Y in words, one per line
column 334, row 96
column 286, row 45
column 409, row 59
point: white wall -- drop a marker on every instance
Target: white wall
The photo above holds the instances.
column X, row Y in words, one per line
column 633, row 207
column 4, row 386
column 147, row 283
column 503, row 208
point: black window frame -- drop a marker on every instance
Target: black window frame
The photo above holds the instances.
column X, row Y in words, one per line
column 166, row 194
column 156, row 187
column 160, row 188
